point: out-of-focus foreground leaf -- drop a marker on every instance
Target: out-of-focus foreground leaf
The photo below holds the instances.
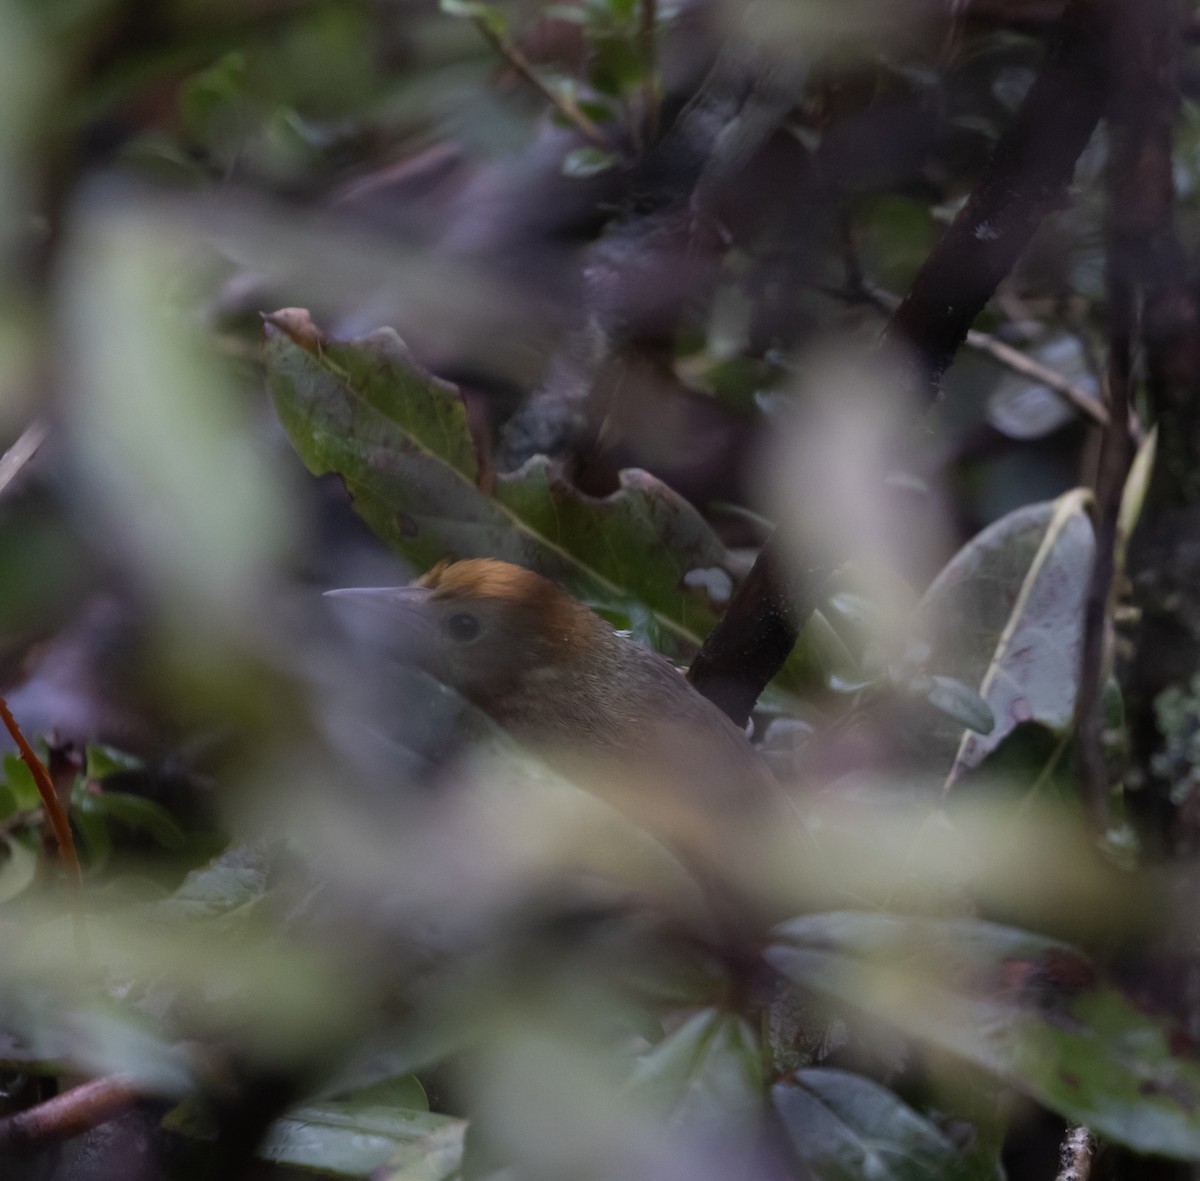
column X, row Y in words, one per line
column 1027, row 1009
column 842, row 1125
column 399, row 438
column 349, row 1138
column 1006, row 614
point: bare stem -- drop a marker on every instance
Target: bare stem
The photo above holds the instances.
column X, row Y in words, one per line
column 1076, row 1155
column 566, row 107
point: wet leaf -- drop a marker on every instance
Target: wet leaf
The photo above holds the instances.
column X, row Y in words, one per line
column 1006, row 614
column 1029, row 1010
column 843, row 1126
column 399, row 439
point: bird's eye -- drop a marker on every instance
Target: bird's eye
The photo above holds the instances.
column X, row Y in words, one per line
column 463, row 627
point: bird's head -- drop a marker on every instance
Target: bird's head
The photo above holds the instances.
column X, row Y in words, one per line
column 484, row 627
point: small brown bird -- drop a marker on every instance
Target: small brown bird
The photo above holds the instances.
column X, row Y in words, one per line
column 612, row 715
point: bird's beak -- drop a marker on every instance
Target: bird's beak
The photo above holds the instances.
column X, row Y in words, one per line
column 383, row 597
column 389, row 619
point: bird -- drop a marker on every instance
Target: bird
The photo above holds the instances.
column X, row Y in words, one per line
column 609, row 713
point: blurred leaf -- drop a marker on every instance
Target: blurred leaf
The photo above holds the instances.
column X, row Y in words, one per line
column 1021, row 409
column 1027, row 1009
column 96, row 837
column 18, row 868
column 399, row 438
column 139, row 813
column 487, row 14
column 107, row 760
column 435, row 1156
column 403, row 1091
column 19, row 780
column 585, row 162
column 843, row 1126
column 706, row 1073
column 1006, row 614
column 162, row 434
column 349, row 1138
column 961, row 703
column 233, row 883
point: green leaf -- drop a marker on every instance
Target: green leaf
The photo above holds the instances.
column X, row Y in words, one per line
column 961, row 703
column 103, row 761
column 1006, row 614
column 1026, row 1009
column 141, row 814
column 581, row 163
column 232, row 883
column 843, row 1126
column 706, row 1073
column 21, row 783
column 399, row 439
column 350, row 1139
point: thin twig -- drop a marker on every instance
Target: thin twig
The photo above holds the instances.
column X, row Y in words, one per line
column 22, row 451
column 566, row 107
column 1076, row 1154
column 1026, row 366
column 50, row 801
column 1003, row 353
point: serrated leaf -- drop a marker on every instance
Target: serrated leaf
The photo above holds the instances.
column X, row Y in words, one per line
column 841, row 1126
column 1028, row 1010
column 1006, row 614
column 399, row 439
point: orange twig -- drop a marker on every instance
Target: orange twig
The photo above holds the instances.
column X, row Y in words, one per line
column 50, row 801
column 77, row 1110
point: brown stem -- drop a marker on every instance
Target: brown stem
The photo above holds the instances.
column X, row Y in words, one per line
column 586, row 127
column 1115, row 456
column 69, row 1114
column 57, row 815
column 1027, row 178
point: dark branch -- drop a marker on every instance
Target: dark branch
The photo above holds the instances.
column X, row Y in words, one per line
column 1027, row 178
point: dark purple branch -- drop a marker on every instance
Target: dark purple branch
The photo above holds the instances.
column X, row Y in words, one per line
column 1027, row 178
